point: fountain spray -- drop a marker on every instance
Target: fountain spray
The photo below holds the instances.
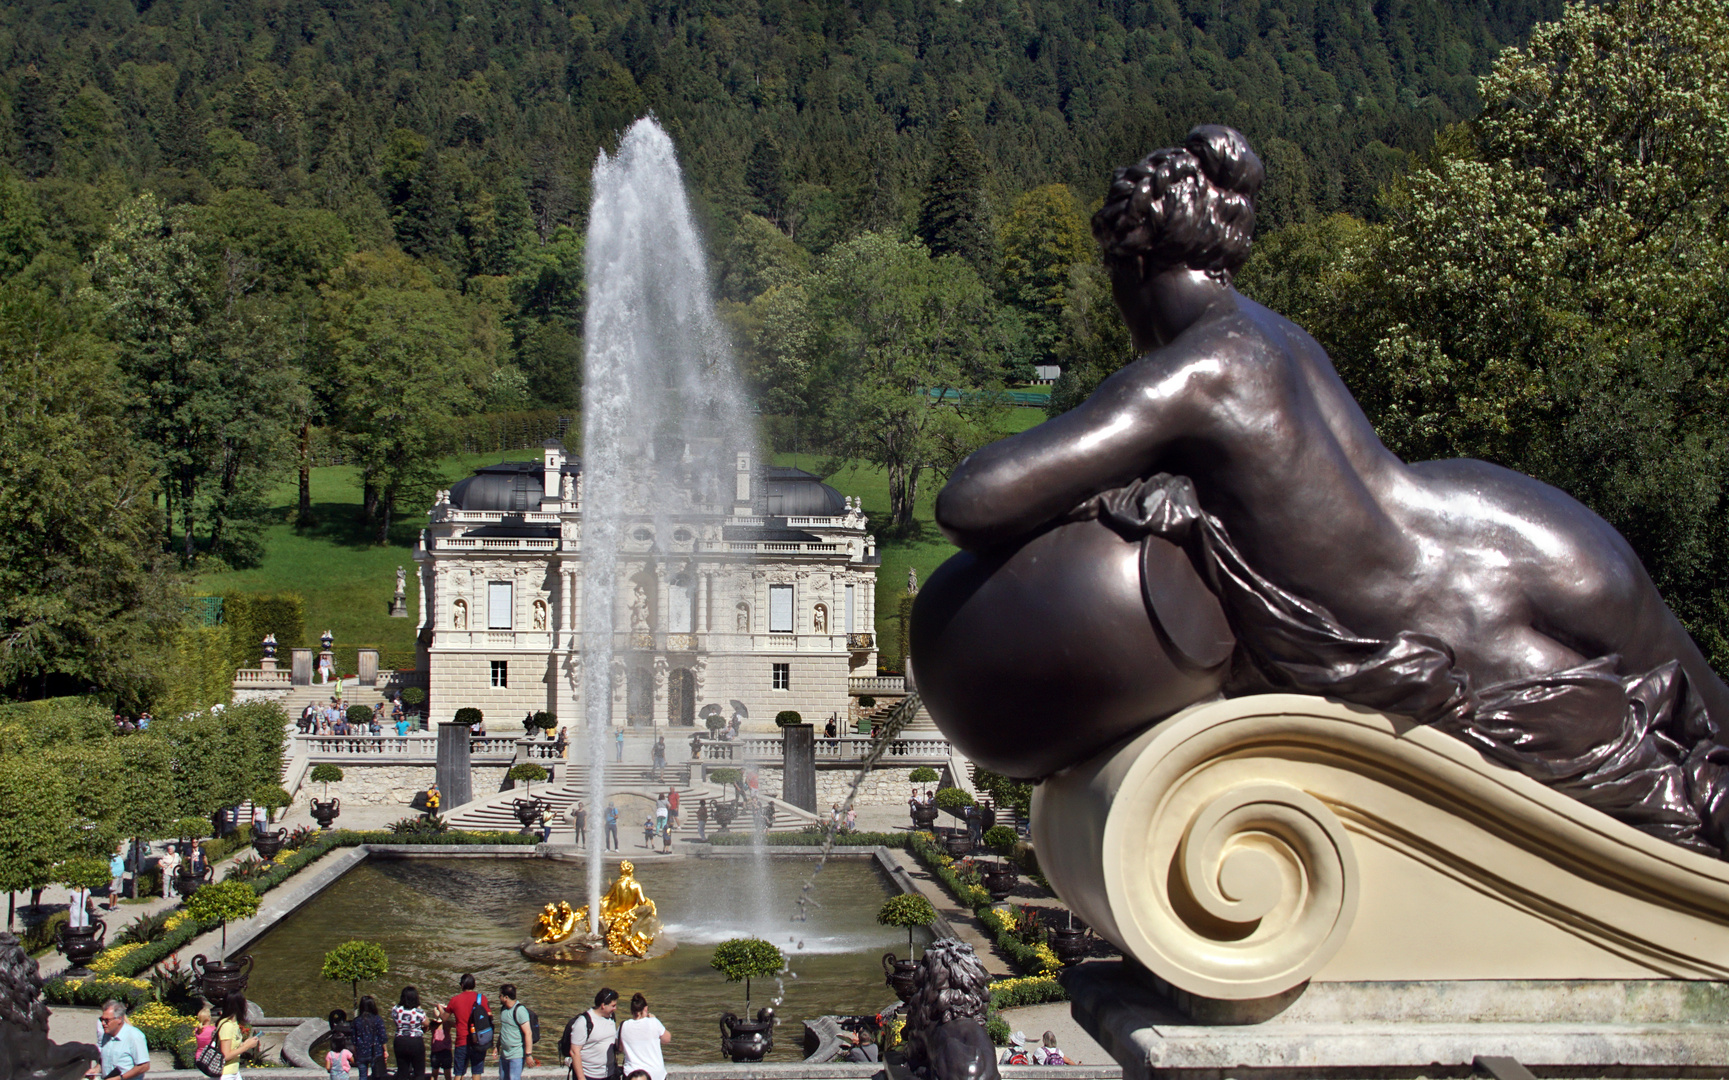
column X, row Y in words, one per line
column 664, row 412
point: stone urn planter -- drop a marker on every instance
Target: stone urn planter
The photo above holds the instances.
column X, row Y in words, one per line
column 1000, row 880
column 902, row 976
column 326, row 812
column 218, row 978
column 79, row 945
column 187, row 882
column 268, row 843
column 924, row 816
column 724, row 813
column 1070, row 944
column 747, row 1040
column 530, row 812
column 959, row 843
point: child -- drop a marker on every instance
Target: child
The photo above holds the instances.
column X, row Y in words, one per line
column 648, row 833
column 339, row 1059
column 441, row 1029
column 206, row 1029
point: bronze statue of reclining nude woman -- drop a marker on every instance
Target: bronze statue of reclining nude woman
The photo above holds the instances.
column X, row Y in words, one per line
column 1219, row 517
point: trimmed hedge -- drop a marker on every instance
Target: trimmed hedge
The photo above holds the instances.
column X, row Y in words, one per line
column 251, row 616
column 199, row 673
column 812, row 836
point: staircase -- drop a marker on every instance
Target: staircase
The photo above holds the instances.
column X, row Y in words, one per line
column 495, row 811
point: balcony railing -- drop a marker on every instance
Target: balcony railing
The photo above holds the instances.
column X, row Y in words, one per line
column 260, row 679
column 877, row 684
column 399, row 747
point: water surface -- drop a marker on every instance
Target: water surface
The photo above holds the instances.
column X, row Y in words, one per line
column 437, row 918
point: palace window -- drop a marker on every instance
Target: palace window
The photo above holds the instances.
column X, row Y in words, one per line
column 780, row 609
column 501, row 673
column 783, row 676
column 498, row 605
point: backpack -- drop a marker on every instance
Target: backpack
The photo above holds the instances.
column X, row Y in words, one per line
column 480, row 1023
column 515, row 1020
column 1017, row 1057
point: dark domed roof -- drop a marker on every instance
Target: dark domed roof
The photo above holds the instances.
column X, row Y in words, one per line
column 507, row 486
column 796, row 493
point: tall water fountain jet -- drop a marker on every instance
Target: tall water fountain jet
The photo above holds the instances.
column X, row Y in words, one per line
column 664, row 412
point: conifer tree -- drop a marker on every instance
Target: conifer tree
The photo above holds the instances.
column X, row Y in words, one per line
column 765, row 179
column 955, row 218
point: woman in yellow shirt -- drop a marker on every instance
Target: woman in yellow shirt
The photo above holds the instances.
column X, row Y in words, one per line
column 231, row 1033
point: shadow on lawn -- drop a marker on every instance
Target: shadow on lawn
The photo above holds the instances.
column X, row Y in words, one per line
column 341, row 524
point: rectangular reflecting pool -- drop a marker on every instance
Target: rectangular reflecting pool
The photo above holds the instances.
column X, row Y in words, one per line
column 437, row 918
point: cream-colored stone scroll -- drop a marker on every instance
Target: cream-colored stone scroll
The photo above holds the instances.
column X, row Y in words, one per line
column 1247, row 845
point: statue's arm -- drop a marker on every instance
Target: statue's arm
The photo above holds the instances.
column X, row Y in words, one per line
column 1013, row 486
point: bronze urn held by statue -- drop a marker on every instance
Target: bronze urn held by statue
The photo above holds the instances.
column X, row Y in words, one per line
column 79, row 945
column 747, row 1040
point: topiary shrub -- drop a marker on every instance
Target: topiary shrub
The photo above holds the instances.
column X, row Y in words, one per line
column 747, row 959
column 545, row 721
column 326, row 774
column 1001, row 839
column 354, row 962
column 924, row 774
column 468, row 715
column 714, row 722
column 187, row 828
column 908, row 910
column 413, row 695
column 865, row 701
column 726, row 777
column 273, row 797
column 528, row 772
column 88, row 873
column 953, row 799
column 359, row 714
column 226, row 900
column 787, row 717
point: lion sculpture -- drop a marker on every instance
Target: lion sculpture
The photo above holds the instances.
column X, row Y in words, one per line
column 25, row 1052
column 945, row 1033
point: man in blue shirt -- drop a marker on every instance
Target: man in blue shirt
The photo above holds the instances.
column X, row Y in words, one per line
column 611, row 827
column 117, row 877
column 124, row 1051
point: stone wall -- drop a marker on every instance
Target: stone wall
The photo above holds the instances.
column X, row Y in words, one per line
column 241, row 696
column 396, row 784
column 884, row 786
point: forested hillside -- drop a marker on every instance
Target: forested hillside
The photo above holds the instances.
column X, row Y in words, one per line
column 239, row 238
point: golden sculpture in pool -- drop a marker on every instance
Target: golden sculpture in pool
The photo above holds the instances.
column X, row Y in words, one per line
column 629, row 921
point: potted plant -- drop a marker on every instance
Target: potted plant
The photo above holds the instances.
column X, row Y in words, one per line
column 354, row 962
column 547, row 722
column 1069, row 942
column 924, row 815
column 469, row 715
column 908, row 910
column 189, row 830
column 222, row 902
column 1000, row 879
column 412, row 698
column 786, row 718
column 955, row 801
column 358, row 716
column 747, row 958
column 80, row 944
column 325, row 812
column 272, row 799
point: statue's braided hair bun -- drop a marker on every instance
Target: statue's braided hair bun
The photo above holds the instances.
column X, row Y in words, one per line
column 1190, row 205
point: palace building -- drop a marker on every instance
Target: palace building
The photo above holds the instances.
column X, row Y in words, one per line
column 767, row 600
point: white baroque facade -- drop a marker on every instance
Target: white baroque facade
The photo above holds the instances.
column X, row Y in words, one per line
column 768, row 601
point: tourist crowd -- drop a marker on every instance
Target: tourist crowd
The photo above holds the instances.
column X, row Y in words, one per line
column 460, row 1036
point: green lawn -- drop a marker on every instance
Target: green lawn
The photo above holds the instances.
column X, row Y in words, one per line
column 347, row 580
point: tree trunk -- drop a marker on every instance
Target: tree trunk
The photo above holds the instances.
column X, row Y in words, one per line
column 304, row 519
column 385, row 506
column 186, row 511
column 369, row 499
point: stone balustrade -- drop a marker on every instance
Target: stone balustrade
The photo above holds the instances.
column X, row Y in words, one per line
column 877, row 684
column 841, row 748
column 262, row 678
column 391, row 747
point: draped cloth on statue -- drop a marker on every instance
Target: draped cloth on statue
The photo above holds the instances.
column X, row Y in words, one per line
column 1638, row 747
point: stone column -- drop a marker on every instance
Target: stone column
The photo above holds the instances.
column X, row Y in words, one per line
column 455, row 777
column 798, row 776
column 368, row 664
column 300, row 671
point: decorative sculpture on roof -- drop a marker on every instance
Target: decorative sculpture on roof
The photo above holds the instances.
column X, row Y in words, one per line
column 1219, row 516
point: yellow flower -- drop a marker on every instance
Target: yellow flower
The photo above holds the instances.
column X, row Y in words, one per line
column 111, row 957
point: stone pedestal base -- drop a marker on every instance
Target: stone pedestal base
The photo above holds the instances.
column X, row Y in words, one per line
column 399, row 607
column 1656, row 1027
